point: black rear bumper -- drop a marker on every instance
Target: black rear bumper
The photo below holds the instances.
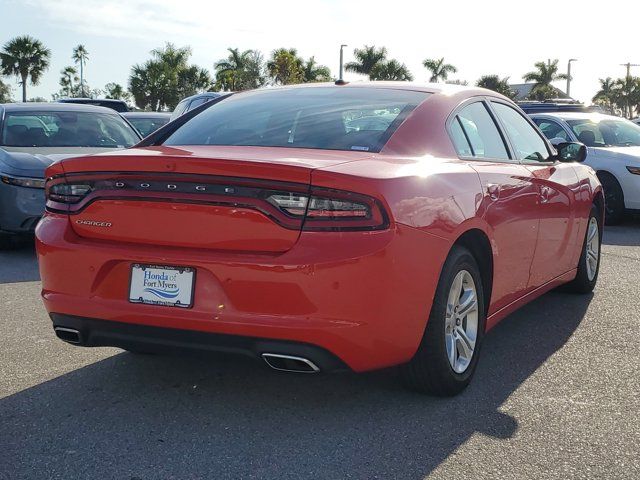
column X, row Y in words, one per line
column 103, row 333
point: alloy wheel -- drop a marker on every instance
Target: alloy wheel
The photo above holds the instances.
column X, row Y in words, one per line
column 461, row 322
column 592, row 248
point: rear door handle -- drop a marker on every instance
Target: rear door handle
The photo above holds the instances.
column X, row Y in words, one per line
column 493, row 189
column 545, row 193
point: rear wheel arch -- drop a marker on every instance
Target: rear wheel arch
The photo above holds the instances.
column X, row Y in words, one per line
column 477, row 242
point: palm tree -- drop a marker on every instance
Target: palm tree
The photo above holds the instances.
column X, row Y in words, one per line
column 231, row 71
column 312, row 72
column 627, row 95
column 607, row 94
column 192, row 80
column 5, row 92
column 497, row 84
column 391, row 70
column 149, row 85
column 80, row 56
column 439, row 70
column 367, row 58
column 543, row 76
column 26, row 58
column 285, row 66
column 69, row 75
column 174, row 58
column 116, row 92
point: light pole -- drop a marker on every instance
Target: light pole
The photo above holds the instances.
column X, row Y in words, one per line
column 629, row 65
column 341, row 62
column 569, row 76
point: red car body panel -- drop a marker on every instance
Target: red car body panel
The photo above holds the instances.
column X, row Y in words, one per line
column 364, row 296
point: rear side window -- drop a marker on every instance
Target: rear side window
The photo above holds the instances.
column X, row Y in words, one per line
column 474, row 133
column 180, row 109
column 460, row 139
column 526, row 141
column 198, row 101
column 327, row 118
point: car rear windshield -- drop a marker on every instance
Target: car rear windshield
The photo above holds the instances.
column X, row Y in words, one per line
column 327, row 118
column 66, row 129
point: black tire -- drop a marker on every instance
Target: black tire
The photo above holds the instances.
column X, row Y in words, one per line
column 613, row 199
column 582, row 283
column 430, row 370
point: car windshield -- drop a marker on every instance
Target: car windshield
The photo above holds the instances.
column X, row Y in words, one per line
column 606, row 133
column 66, row 129
column 328, row 118
column 147, row 125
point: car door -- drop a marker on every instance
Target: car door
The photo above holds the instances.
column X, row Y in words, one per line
column 556, row 184
column 509, row 199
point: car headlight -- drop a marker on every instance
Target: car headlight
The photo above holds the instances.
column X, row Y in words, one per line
column 23, row 181
column 634, row 170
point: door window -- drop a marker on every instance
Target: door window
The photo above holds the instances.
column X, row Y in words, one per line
column 526, row 141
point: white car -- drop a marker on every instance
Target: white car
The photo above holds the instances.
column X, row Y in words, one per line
column 613, row 151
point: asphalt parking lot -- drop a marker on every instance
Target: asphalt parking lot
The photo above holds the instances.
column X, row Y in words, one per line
column 556, row 396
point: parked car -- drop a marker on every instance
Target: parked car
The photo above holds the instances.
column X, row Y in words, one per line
column 636, row 121
column 32, row 136
column 543, row 107
column 147, row 122
column 117, row 105
column 192, row 102
column 262, row 225
column 613, row 150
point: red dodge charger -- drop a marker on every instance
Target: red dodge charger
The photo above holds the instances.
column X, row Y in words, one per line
column 320, row 228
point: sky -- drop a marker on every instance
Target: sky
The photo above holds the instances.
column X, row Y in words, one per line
column 477, row 36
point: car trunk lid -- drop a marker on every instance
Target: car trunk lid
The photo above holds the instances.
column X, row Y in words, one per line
column 196, row 197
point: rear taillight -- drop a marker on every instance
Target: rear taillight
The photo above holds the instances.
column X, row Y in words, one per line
column 293, row 206
column 68, row 192
column 332, row 210
column 339, row 210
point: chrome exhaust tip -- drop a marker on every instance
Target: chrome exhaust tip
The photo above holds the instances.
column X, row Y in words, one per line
column 288, row 363
column 69, row 335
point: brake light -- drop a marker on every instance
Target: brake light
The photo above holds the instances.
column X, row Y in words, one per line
column 293, row 206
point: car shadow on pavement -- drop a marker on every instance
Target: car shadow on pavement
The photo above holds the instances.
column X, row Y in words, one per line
column 151, row 417
column 19, row 264
column 625, row 234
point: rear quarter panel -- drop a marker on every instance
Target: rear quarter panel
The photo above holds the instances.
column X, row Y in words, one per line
column 432, row 200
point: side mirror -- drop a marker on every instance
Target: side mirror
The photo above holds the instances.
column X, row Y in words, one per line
column 571, row 152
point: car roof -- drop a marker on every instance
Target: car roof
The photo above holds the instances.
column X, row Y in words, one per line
column 449, row 94
column 55, row 107
column 577, row 115
column 146, row 114
column 87, row 99
column 419, row 86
